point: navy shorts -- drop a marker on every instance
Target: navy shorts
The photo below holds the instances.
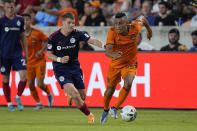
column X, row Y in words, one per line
column 15, row 64
column 64, row 77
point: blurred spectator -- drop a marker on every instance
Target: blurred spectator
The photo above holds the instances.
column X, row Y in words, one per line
column 164, row 19
column 146, row 11
column 44, row 19
column 86, row 13
column 84, row 46
column 107, row 10
column 65, row 6
column 23, row 4
column 194, row 18
column 174, row 45
column 96, row 17
column 79, row 6
column 1, row 9
column 126, row 7
column 144, row 46
column 194, row 41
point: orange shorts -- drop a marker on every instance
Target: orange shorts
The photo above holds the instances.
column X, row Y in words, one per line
column 115, row 74
column 37, row 71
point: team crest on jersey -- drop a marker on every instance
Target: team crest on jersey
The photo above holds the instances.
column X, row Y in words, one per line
column 61, row 78
column 18, row 23
column 6, row 29
column 133, row 37
column 72, row 40
column 33, row 40
column 49, row 46
column 2, row 69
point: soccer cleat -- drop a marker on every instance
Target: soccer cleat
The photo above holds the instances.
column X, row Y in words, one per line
column 19, row 103
column 104, row 117
column 11, row 108
column 38, row 106
column 91, row 118
column 50, row 100
column 113, row 112
column 69, row 100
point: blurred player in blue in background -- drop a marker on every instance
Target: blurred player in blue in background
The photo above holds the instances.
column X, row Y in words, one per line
column 63, row 48
column 11, row 33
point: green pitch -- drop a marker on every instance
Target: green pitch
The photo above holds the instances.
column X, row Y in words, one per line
column 71, row 119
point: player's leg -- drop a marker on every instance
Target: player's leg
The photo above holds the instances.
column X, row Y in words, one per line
column 73, row 92
column 128, row 74
column 113, row 78
column 20, row 66
column 40, row 74
column 82, row 94
column 5, row 72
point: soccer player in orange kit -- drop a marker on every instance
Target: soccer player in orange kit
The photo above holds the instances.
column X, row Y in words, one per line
column 121, row 47
column 36, row 63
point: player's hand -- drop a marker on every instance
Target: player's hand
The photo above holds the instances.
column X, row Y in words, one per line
column 65, row 59
column 38, row 54
column 117, row 55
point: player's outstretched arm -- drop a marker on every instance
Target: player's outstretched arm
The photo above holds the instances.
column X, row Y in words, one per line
column 146, row 24
column 111, row 54
column 24, row 44
column 96, row 42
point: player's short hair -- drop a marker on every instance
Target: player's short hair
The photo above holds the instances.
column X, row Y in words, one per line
column 194, row 33
column 174, row 30
column 68, row 15
column 120, row 15
column 8, row 1
column 26, row 15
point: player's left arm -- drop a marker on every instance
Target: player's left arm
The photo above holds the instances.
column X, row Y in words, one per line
column 146, row 24
column 24, row 44
column 96, row 42
column 43, row 49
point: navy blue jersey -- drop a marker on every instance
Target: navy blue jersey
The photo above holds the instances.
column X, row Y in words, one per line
column 62, row 45
column 10, row 35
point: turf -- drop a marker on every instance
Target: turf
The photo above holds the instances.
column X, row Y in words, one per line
column 67, row 119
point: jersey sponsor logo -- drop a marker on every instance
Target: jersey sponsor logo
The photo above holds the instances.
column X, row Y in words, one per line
column 18, row 23
column 72, row 40
column 61, row 78
column 6, row 29
column 12, row 29
column 2, row 69
column 59, row 47
column 49, row 46
column 133, row 37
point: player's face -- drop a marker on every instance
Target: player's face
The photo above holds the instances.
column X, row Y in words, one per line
column 9, row 9
column 27, row 21
column 120, row 25
column 68, row 24
column 173, row 38
column 194, row 40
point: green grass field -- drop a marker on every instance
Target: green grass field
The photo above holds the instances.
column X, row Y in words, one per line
column 67, row 119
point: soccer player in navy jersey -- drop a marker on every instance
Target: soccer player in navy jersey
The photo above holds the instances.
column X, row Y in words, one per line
column 63, row 48
column 11, row 33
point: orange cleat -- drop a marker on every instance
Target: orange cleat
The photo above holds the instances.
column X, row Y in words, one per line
column 91, row 118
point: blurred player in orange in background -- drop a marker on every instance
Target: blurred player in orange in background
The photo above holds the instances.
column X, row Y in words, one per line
column 36, row 63
column 121, row 47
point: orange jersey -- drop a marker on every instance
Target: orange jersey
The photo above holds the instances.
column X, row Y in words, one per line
column 34, row 44
column 126, row 44
column 59, row 22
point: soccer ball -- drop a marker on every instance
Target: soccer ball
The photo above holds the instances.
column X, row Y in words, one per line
column 128, row 113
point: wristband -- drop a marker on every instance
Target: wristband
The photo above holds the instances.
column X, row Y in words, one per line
column 59, row 59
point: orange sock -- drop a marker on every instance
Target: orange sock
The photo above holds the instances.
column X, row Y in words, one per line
column 34, row 94
column 122, row 96
column 46, row 89
column 106, row 101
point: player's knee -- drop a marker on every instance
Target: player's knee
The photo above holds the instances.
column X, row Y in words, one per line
column 83, row 97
